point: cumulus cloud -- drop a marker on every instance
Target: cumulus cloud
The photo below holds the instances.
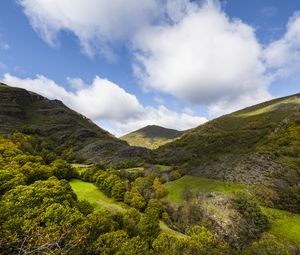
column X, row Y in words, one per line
column 161, row 116
column 105, row 100
column 204, row 58
column 102, row 99
column 192, row 51
column 96, row 23
column 283, row 56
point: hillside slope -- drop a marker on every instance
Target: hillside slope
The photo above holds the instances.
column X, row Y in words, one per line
column 249, row 146
column 67, row 130
column 151, row 136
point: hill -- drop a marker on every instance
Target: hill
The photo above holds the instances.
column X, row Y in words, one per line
column 151, row 136
column 67, row 132
column 250, row 145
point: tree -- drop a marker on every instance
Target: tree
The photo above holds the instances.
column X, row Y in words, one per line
column 255, row 222
column 99, row 222
column 135, row 246
column 118, row 191
column 134, row 199
column 149, row 225
column 159, row 189
column 204, row 242
column 155, row 207
column 169, row 245
column 62, row 170
column 267, row 246
column 40, row 217
column 131, row 219
column 110, row 243
column 175, row 175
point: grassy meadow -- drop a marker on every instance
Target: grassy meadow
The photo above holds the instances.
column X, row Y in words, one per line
column 88, row 191
column 198, row 184
column 284, row 225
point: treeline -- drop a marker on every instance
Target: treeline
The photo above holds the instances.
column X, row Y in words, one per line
column 20, row 168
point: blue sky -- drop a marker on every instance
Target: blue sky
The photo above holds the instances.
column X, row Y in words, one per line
column 171, row 63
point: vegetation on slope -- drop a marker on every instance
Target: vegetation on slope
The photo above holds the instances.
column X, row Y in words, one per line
column 180, row 189
column 41, row 214
column 60, row 130
column 151, row 136
column 259, row 144
column 89, row 192
column 284, row 225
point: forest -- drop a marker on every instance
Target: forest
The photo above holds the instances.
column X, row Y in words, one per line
column 41, row 214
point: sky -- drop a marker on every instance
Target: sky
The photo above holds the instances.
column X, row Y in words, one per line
column 173, row 63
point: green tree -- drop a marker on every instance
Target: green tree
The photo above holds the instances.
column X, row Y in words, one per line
column 131, row 219
column 204, row 242
column 135, row 246
column 267, row 246
column 118, row 191
column 134, row 199
column 169, row 245
column 62, row 170
column 110, row 243
column 149, row 225
column 159, row 189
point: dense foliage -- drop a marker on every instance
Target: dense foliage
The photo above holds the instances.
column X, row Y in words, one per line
column 40, row 213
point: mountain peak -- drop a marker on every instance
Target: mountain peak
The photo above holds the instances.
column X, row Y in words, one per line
column 151, row 136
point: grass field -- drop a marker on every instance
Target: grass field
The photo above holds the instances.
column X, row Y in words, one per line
column 80, row 167
column 284, row 225
column 199, row 184
column 89, row 192
column 133, row 169
column 164, row 168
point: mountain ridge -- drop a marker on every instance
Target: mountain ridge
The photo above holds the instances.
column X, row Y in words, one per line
column 151, row 136
column 241, row 146
column 31, row 113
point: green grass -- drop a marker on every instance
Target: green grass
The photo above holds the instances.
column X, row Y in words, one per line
column 199, row 184
column 164, row 168
column 75, row 165
column 170, row 231
column 89, row 192
column 80, row 167
column 133, row 169
column 284, row 225
column 291, row 100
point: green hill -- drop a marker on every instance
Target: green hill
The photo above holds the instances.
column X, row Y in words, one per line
column 151, row 136
column 64, row 130
column 247, row 146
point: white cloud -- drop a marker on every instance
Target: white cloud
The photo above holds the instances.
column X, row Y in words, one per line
column 191, row 51
column 104, row 100
column 160, row 116
column 96, row 23
column 228, row 104
column 76, row 83
column 204, row 58
column 283, row 55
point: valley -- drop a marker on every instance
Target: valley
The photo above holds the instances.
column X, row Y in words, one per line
column 229, row 186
